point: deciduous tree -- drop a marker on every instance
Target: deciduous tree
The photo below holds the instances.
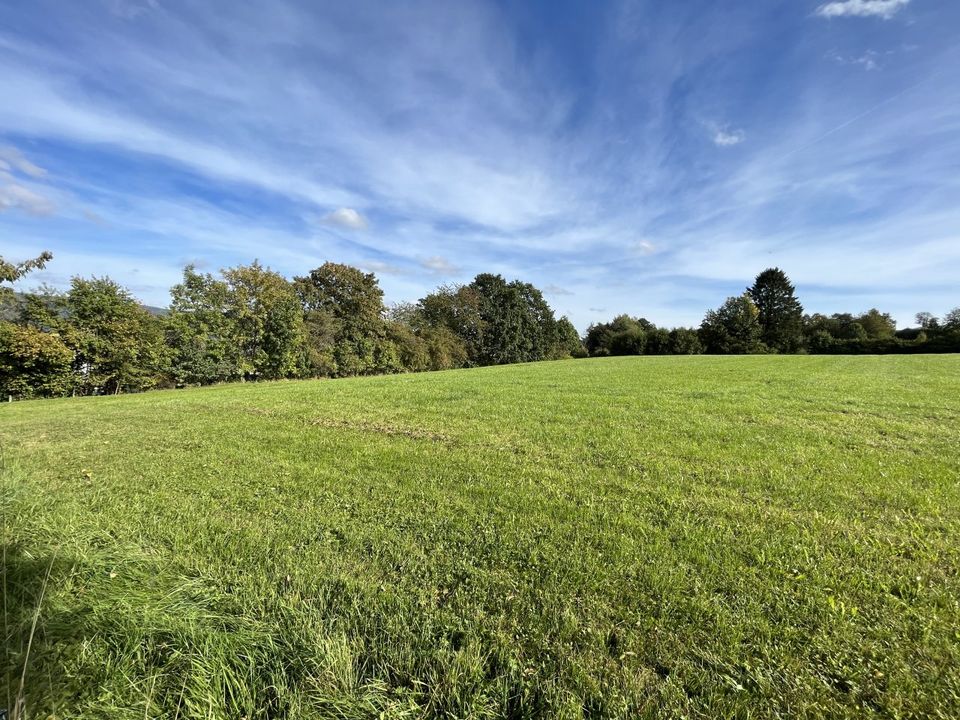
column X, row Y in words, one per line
column 201, row 331
column 732, row 329
column 265, row 314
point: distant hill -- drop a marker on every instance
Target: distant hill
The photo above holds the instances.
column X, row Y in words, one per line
column 9, row 310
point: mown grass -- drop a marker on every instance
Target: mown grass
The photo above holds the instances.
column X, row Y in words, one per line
column 662, row 537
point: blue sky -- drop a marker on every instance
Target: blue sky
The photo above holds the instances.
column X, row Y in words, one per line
column 640, row 157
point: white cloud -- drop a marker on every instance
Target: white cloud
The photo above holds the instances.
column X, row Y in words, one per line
column 14, row 195
column 17, row 193
column 438, row 265
column 645, row 247
column 556, row 290
column 726, row 138
column 13, row 159
column 885, row 9
column 870, row 60
column 465, row 152
column 346, row 218
column 130, row 9
column 382, row 268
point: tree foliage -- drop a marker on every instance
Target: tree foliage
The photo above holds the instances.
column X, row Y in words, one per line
column 11, row 272
column 267, row 323
column 251, row 323
column 733, row 328
column 347, row 333
column 201, row 332
column 779, row 312
column 33, row 363
column 117, row 344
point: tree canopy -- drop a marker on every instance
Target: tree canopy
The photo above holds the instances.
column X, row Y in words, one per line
column 779, row 312
column 251, row 323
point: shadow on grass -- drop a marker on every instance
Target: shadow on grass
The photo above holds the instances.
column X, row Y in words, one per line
column 34, row 636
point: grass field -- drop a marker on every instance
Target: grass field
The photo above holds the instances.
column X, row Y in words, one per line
column 665, row 537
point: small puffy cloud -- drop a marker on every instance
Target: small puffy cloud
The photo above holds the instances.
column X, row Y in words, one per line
column 346, row 218
column 645, row 247
column 726, row 138
column 556, row 290
column 13, row 160
column 885, row 9
column 438, row 265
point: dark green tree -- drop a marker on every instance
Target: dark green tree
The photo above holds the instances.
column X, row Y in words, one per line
column 628, row 336
column 685, row 341
column 540, row 326
column 567, row 342
column 951, row 321
column 623, row 335
column 733, row 328
column 457, row 308
column 347, row 332
column 779, row 312
column 927, row 321
column 658, row 342
column 508, row 328
column 597, row 340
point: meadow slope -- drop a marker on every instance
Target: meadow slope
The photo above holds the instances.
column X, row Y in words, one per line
column 682, row 536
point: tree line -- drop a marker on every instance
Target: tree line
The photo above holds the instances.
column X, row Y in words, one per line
column 251, row 323
column 769, row 318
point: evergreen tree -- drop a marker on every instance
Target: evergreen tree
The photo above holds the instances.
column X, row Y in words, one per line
column 780, row 313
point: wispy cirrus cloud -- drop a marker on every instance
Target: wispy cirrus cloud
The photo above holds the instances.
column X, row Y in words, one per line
column 868, row 60
column 15, row 196
column 18, row 191
column 275, row 130
column 11, row 159
column 885, row 9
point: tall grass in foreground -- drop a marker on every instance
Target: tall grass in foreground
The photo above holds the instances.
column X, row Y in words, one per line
column 700, row 537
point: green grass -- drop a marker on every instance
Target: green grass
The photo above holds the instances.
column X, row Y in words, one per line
column 666, row 537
